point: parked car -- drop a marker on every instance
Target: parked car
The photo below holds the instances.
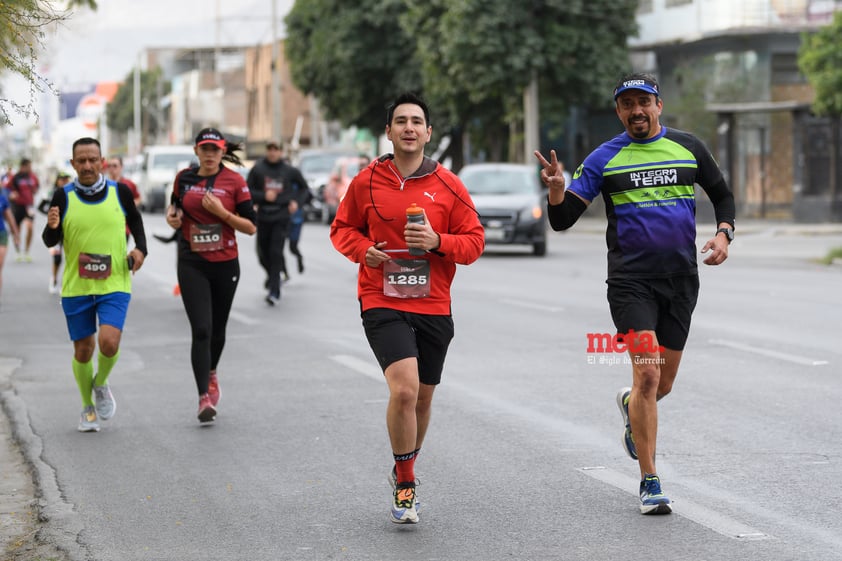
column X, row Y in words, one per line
column 316, row 165
column 511, row 202
column 158, row 168
column 337, row 184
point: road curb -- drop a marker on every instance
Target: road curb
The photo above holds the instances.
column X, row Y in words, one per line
column 58, row 524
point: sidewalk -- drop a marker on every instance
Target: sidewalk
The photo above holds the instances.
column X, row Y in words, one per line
column 17, row 494
column 19, row 514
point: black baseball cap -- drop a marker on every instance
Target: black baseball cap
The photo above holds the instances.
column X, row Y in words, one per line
column 210, row 136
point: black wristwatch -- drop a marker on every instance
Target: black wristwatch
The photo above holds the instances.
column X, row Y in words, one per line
column 729, row 233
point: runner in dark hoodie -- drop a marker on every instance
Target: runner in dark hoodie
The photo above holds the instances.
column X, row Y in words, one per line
column 276, row 189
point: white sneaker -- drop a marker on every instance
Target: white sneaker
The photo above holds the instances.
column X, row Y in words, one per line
column 88, row 421
column 53, row 287
column 105, row 404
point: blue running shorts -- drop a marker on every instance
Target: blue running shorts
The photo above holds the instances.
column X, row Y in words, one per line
column 81, row 312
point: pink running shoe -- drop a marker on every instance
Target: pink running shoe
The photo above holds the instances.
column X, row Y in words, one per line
column 213, row 389
column 207, row 412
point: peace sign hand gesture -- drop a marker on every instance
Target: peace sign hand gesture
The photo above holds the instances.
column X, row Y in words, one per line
column 552, row 176
column 551, row 172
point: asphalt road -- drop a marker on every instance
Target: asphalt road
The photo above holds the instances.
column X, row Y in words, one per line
column 522, row 460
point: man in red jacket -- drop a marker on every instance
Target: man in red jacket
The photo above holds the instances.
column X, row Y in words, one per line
column 404, row 297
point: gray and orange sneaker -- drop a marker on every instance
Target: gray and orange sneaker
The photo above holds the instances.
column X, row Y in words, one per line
column 88, row 421
column 105, row 404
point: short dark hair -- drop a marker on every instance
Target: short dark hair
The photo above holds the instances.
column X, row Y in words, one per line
column 25, row 162
column 118, row 158
column 85, row 140
column 407, row 97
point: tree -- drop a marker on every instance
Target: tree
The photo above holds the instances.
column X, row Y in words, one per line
column 481, row 55
column 351, row 56
column 820, row 59
column 471, row 59
column 120, row 111
column 24, row 23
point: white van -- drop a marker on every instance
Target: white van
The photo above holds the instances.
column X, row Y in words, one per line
column 157, row 171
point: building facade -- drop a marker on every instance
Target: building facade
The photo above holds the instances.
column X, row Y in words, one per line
column 729, row 72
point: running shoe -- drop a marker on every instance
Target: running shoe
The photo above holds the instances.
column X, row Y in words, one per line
column 403, row 506
column 652, row 498
column 213, row 389
column 27, row 258
column 53, row 287
column 207, row 412
column 88, row 421
column 271, row 299
column 105, row 404
column 393, row 482
column 628, row 441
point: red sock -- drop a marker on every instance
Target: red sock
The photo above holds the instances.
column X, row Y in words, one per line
column 405, row 467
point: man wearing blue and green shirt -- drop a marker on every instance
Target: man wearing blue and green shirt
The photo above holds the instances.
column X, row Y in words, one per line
column 646, row 176
column 89, row 216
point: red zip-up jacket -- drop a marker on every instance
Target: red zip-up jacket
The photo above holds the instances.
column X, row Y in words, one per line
column 374, row 210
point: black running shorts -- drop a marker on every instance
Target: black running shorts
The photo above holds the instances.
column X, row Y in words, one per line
column 394, row 335
column 662, row 305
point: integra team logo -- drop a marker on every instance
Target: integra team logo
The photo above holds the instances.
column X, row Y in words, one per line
column 654, row 177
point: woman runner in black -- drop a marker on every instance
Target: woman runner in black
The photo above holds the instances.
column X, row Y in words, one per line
column 210, row 203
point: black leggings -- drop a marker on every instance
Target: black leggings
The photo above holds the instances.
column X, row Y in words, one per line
column 207, row 291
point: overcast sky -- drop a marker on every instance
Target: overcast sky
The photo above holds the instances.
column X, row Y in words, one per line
column 104, row 45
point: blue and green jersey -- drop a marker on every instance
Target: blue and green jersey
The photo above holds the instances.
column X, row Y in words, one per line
column 648, row 189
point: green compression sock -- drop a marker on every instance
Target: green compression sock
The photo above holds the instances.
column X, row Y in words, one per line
column 104, row 366
column 84, row 373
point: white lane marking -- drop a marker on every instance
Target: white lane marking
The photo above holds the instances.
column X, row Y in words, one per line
column 531, row 305
column 363, row 367
column 243, row 318
column 703, row 516
column 768, row 352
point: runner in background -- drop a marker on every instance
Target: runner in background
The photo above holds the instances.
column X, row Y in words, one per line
column 210, row 204
column 62, row 179
column 7, row 224
column 89, row 218
column 22, row 188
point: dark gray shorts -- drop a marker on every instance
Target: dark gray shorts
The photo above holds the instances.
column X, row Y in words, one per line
column 662, row 305
column 394, row 335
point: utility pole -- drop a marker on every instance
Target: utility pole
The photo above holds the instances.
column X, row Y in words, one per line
column 220, row 95
column 136, row 132
column 531, row 130
column 277, row 132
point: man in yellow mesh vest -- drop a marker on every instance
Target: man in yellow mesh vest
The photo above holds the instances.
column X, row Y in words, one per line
column 89, row 216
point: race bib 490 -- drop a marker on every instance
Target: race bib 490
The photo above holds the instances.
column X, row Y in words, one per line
column 94, row 266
